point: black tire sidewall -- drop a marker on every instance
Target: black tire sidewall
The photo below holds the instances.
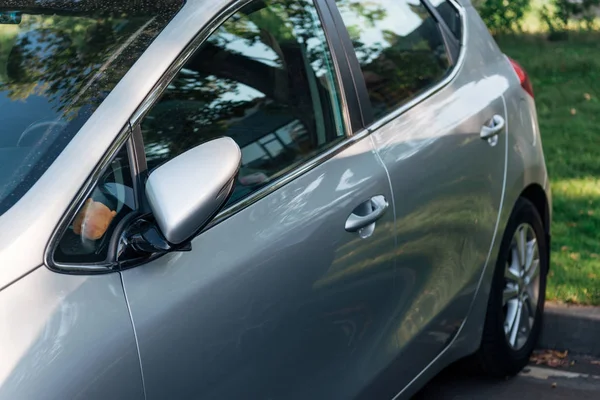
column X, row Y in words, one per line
column 495, row 347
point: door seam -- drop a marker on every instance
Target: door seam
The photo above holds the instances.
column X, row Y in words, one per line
column 486, row 266
column 137, row 345
column 391, row 188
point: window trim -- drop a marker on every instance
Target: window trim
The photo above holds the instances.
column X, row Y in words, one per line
column 452, row 42
column 360, row 83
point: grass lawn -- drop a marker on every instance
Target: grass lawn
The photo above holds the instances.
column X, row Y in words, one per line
column 566, row 81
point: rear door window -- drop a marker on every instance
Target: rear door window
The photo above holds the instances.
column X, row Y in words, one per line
column 399, row 47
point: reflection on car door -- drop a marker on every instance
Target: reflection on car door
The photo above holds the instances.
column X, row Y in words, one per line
column 278, row 301
column 292, row 294
column 447, row 181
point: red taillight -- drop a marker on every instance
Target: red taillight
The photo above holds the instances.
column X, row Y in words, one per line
column 523, row 78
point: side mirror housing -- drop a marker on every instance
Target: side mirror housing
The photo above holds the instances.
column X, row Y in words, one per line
column 186, row 192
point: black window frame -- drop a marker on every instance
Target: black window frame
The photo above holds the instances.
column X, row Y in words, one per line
column 452, row 43
column 454, row 48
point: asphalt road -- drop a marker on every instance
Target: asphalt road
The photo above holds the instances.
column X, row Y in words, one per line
column 534, row 383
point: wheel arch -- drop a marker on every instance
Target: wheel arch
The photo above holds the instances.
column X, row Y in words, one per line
column 538, row 197
column 536, row 194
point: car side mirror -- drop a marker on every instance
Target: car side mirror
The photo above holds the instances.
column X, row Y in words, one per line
column 186, row 193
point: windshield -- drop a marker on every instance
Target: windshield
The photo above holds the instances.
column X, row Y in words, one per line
column 58, row 61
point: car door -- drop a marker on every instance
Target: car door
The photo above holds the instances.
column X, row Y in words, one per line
column 289, row 292
column 438, row 122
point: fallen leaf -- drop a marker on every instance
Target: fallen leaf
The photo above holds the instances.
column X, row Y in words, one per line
column 574, row 256
column 573, row 111
column 553, row 362
column 564, row 248
column 553, row 385
column 587, row 96
column 551, row 358
column 561, row 354
column 590, row 212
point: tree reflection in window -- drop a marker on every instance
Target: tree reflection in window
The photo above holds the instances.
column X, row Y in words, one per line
column 399, row 47
column 265, row 79
column 57, row 65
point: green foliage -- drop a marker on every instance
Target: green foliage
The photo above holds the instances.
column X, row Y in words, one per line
column 560, row 14
column 566, row 10
column 503, row 16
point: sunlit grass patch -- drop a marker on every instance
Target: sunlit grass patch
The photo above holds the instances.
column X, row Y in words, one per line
column 566, row 81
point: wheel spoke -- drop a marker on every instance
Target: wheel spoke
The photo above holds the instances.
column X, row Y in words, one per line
column 514, row 330
column 521, row 245
column 510, row 274
column 532, row 298
column 510, row 293
column 531, row 253
column 534, row 271
column 511, row 312
column 530, row 312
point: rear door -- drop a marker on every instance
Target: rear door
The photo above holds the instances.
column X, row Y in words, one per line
column 438, row 122
column 289, row 292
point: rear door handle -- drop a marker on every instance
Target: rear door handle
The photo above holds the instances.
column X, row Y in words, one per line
column 367, row 213
column 492, row 128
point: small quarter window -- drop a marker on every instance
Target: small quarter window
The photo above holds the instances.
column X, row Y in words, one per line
column 88, row 236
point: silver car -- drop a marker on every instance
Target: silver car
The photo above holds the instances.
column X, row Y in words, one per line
column 261, row 199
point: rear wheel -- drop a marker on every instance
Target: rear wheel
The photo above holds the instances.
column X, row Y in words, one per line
column 516, row 304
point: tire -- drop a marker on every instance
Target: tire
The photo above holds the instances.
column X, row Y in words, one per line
column 500, row 355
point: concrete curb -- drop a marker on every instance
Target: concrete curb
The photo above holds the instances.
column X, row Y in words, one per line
column 573, row 328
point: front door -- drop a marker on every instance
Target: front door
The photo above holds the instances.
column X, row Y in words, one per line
column 289, row 293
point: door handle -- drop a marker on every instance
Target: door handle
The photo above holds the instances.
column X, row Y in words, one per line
column 367, row 213
column 492, row 128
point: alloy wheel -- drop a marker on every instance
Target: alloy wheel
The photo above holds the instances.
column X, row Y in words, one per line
column 522, row 286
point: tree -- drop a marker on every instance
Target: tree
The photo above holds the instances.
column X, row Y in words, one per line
column 503, row 16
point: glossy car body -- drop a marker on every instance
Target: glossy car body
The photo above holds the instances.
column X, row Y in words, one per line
column 276, row 299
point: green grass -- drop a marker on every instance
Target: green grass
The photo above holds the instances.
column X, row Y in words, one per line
column 566, row 81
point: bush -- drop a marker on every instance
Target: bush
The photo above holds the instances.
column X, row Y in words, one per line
column 582, row 10
column 562, row 12
column 503, row 16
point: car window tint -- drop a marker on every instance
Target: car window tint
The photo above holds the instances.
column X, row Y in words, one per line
column 399, row 47
column 450, row 15
column 87, row 237
column 263, row 78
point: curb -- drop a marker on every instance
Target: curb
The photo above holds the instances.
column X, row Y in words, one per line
column 573, row 328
